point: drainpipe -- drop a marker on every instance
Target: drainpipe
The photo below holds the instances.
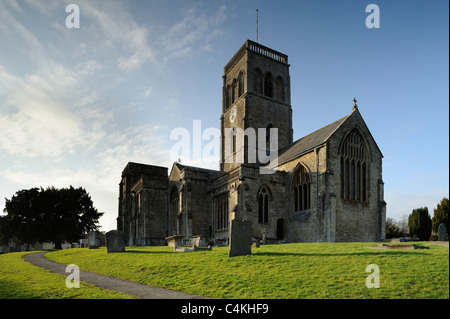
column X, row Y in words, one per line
column 213, row 219
column 187, row 215
column 168, row 219
column 142, row 202
column 317, row 192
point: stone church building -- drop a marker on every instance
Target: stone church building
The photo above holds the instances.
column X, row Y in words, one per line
column 326, row 187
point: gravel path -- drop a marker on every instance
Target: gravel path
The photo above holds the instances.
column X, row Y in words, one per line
column 106, row 282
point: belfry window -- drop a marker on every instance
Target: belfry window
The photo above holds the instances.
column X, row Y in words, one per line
column 257, row 81
column 263, row 206
column 268, row 150
column 227, row 97
column 268, row 85
column 279, row 89
column 301, row 189
column 241, row 84
column 353, row 168
column 233, row 91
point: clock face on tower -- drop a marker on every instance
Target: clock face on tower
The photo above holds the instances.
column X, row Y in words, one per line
column 233, row 114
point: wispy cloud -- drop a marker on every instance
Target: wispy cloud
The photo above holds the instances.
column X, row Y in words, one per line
column 11, row 26
column 79, row 114
column 100, row 172
column 193, row 32
column 39, row 118
column 115, row 26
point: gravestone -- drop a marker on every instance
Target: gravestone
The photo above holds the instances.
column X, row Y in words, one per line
column 114, row 242
column 240, row 238
column 175, row 240
column 93, row 240
column 442, row 232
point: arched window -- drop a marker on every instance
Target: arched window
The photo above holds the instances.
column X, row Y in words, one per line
column 234, row 140
column 268, row 139
column 263, row 206
column 353, row 168
column 241, row 84
column 268, row 85
column 233, row 91
column 301, row 188
column 257, row 81
column 221, row 206
column 279, row 89
column 227, row 97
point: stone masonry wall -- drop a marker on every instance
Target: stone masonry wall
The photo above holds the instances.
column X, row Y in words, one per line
column 357, row 221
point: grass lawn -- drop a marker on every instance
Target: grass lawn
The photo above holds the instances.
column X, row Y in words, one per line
column 306, row 270
column 21, row 280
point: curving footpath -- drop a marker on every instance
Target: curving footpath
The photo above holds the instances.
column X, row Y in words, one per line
column 106, row 282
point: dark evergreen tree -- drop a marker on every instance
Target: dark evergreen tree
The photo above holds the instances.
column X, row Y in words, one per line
column 50, row 215
column 419, row 223
column 440, row 215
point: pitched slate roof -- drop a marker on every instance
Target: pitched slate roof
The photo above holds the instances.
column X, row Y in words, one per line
column 309, row 142
column 198, row 169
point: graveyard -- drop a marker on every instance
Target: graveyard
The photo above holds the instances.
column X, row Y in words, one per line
column 284, row 271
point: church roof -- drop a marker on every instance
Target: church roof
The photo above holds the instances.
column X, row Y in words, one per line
column 197, row 169
column 309, row 142
column 139, row 168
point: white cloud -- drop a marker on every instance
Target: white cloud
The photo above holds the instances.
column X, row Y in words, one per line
column 147, row 92
column 15, row 28
column 13, row 4
column 40, row 119
column 62, row 122
column 116, row 27
column 101, row 169
column 192, row 34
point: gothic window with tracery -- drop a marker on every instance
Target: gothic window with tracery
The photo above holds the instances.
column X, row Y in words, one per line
column 268, row 150
column 228, row 97
column 263, row 206
column 354, row 168
column 241, row 84
column 221, row 206
column 268, row 85
column 233, row 91
column 301, row 189
column 279, row 89
column 257, row 81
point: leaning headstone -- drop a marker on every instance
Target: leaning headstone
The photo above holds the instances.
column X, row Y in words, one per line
column 240, row 238
column 114, row 241
column 93, row 240
column 442, row 232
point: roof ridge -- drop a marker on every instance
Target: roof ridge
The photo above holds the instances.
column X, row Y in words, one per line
column 310, row 141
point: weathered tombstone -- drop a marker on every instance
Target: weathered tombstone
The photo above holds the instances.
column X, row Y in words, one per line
column 114, row 241
column 175, row 240
column 442, row 232
column 240, row 238
column 93, row 240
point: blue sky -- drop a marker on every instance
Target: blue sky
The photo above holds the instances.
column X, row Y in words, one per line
column 77, row 104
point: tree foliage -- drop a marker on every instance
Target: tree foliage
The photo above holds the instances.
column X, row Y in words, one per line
column 440, row 215
column 419, row 223
column 392, row 229
column 48, row 215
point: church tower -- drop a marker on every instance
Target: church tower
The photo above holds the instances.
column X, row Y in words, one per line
column 256, row 98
